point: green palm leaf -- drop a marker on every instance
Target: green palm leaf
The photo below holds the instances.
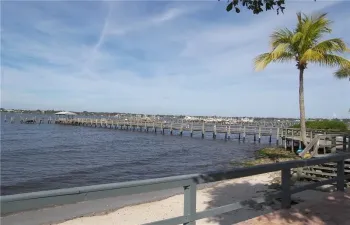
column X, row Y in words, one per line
column 331, row 46
column 343, row 72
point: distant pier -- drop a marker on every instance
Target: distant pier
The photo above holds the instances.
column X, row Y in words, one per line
column 236, row 131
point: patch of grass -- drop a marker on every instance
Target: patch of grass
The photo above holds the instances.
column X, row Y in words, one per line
column 275, row 154
column 269, row 155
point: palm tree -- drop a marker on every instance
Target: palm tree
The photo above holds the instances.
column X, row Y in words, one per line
column 305, row 45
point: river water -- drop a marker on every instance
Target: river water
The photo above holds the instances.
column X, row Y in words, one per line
column 49, row 156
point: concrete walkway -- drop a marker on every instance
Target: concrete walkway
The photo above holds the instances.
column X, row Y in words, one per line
column 334, row 209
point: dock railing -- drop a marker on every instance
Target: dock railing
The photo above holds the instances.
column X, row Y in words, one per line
column 36, row 200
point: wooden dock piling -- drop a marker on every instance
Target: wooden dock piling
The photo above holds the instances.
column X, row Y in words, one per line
column 229, row 132
column 244, row 133
column 203, row 130
column 192, row 129
column 214, row 131
column 181, row 128
column 254, row 134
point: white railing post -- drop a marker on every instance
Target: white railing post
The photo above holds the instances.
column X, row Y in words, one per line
column 190, row 203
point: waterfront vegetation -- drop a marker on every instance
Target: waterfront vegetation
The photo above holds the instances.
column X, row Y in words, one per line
column 325, row 125
column 269, row 155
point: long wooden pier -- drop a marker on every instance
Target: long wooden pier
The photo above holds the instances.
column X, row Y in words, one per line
column 229, row 131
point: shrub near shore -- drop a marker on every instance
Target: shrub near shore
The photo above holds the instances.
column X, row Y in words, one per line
column 325, row 125
column 269, row 155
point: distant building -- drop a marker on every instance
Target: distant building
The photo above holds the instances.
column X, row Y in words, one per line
column 247, row 120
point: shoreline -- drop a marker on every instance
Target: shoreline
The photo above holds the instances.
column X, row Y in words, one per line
column 208, row 196
column 60, row 214
column 238, row 189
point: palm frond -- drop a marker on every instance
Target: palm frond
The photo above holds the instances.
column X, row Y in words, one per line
column 331, row 61
column 280, row 50
column 285, row 57
column 281, row 36
column 320, row 26
column 331, row 46
column 311, row 55
column 313, row 28
column 297, row 37
column 343, row 72
column 261, row 61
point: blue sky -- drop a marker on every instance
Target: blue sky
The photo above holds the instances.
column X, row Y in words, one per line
column 176, row 57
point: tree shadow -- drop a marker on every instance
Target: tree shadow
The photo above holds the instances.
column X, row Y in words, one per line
column 245, row 193
column 325, row 208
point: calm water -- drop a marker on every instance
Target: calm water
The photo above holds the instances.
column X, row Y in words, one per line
column 48, row 156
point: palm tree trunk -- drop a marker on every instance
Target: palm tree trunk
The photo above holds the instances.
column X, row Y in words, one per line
column 302, row 106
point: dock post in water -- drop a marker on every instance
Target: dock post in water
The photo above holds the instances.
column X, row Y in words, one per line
column 214, row 131
column 192, row 129
column 259, row 134
column 277, row 136
column 270, row 140
column 255, row 134
column 229, row 132
column 171, row 128
column 203, row 130
column 244, row 133
column 181, row 128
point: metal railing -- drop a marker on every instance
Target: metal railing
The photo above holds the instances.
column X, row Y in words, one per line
column 36, row 200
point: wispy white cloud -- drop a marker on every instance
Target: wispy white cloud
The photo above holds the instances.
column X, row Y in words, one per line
column 158, row 58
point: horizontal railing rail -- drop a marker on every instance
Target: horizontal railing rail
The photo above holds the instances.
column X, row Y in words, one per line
column 36, row 200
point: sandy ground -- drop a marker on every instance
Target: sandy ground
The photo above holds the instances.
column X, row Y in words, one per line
column 221, row 194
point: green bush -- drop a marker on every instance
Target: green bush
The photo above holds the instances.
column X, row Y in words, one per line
column 325, row 125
